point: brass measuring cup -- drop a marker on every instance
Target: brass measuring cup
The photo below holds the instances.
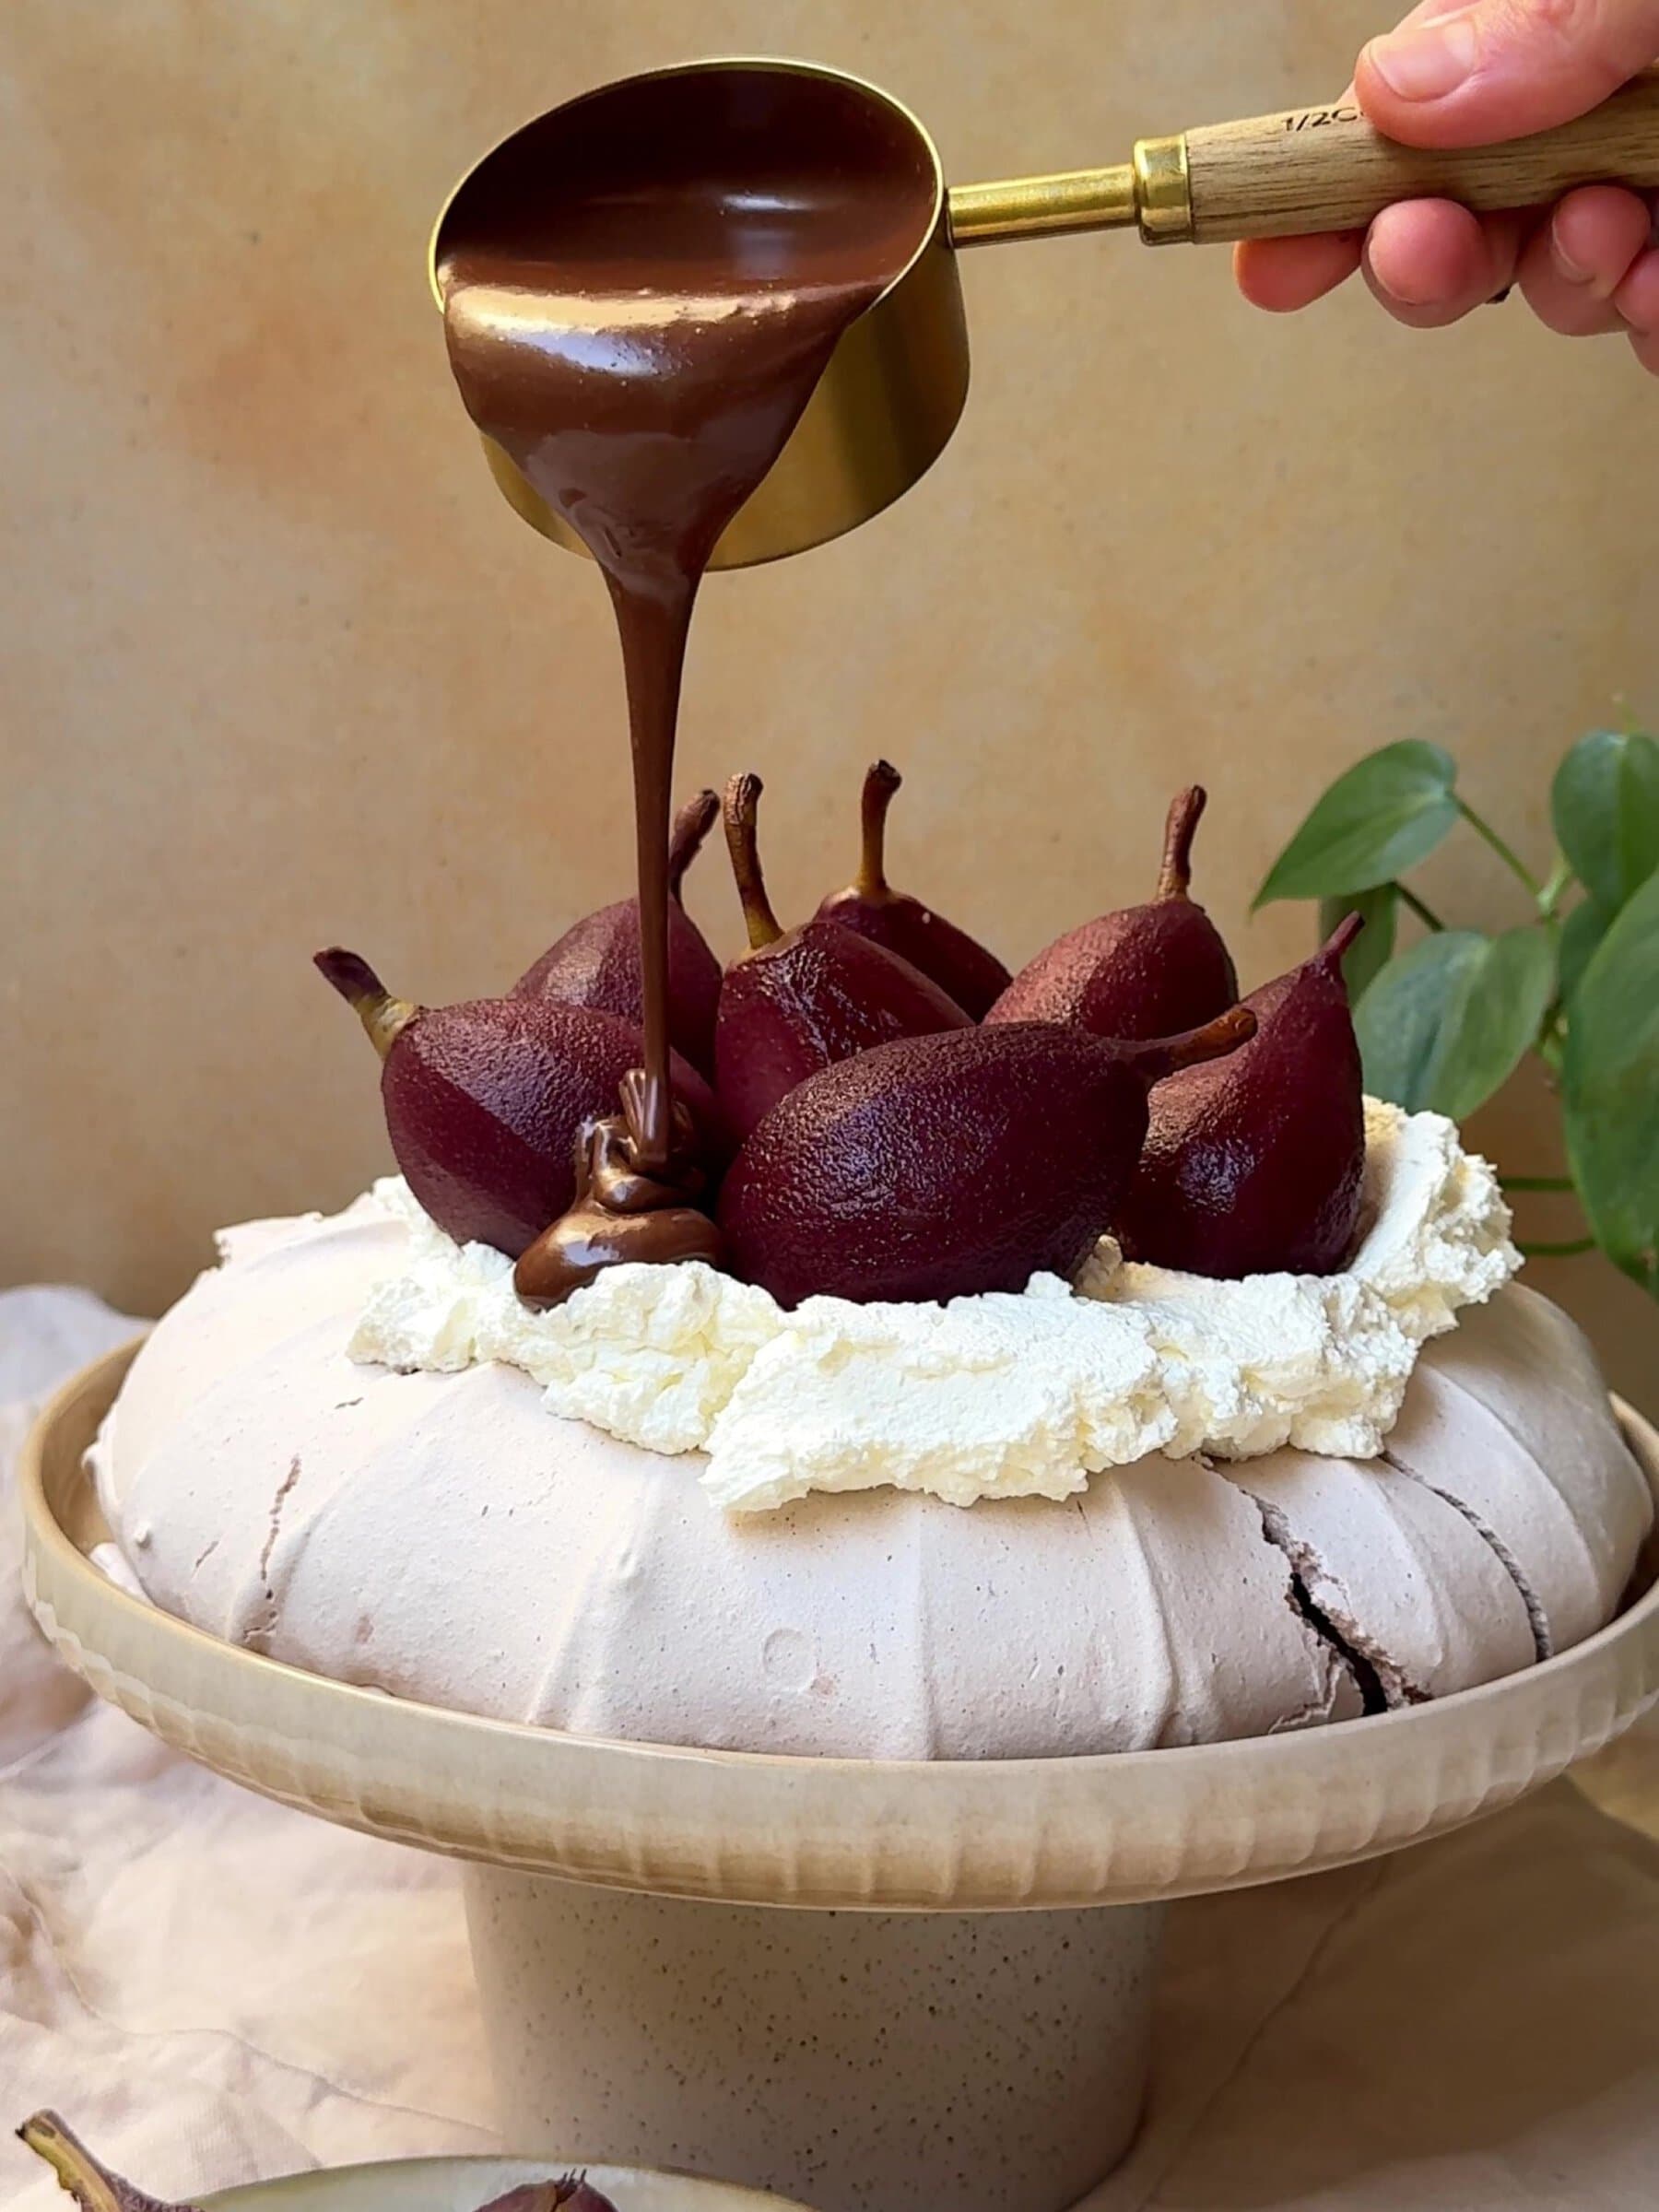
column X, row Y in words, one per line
column 895, row 386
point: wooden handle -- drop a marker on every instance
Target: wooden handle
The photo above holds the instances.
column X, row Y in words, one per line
column 1327, row 168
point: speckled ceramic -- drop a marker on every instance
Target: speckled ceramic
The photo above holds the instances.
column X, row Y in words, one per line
column 464, row 2184
column 866, row 2062
column 682, row 2030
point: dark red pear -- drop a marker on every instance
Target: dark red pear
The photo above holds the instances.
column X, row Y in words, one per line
column 1253, row 1166
column 596, row 962
column 799, row 1000
column 485, row 1101
column 936, row 1167
column 957, row 963
column 568, row 2192
column 1143, row 971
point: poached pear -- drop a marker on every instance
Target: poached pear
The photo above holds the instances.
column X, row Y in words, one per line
column 1253, row 1166
column 937, row 1167
column 596, row 962
column 957, row 963
column 1142, row 971
column 801, row 999
column 485, row 1101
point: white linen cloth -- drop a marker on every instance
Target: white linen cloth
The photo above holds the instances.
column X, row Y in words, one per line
column 211, row 1988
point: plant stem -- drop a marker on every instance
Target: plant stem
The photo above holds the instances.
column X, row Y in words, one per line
column 1569, row 1250
column 1506, row 854
column 1536, row 1183
column 1420, row 907
column 1549, row 898
column 1551, row 1045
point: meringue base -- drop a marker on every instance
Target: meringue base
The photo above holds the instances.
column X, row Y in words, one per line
column 442, row 1536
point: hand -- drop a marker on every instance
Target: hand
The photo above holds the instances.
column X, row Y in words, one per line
column 1460, row 75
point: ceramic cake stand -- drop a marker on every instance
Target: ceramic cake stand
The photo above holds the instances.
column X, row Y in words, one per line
column 872, row 1986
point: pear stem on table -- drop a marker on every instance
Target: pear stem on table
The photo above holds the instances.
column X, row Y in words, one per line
column 880, row 783
column 70, row 2159
column 742, row 803
column 1186, row 809
column 691, row 824
column 384, row 1019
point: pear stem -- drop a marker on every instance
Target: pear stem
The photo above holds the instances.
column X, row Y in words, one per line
column 1340, row 938
column 880, row 783
column 1185, row 810
column 70, row 2158
column 742, row 800
column 691, row 824
column 1157, row 1057
column 384, row 1019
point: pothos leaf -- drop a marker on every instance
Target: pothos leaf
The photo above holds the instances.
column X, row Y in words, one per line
column 1605, row 803
column 1388, row 813
column 1582, row 931
column 1611, row 1086
column 1445, row 1024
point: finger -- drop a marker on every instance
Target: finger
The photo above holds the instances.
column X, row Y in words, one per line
column 1575, row 262
column 1430, row 261
column 1637, row 300
column 1282, row 274
column 1500, row 69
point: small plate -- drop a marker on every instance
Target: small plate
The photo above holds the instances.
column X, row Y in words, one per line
column 464, row 2184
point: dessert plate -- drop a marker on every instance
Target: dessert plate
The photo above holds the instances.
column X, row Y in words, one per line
column 462, row 2184
column 751, row 1828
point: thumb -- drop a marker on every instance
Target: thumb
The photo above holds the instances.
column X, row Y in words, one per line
column 1472, row 76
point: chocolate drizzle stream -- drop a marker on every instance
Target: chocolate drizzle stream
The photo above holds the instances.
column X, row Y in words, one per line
column 640, row 293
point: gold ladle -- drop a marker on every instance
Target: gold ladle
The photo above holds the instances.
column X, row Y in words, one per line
column 895, row 386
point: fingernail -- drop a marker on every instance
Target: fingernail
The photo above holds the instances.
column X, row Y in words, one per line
column 1403, row 295
column 1429, row 60
column 1575, row 271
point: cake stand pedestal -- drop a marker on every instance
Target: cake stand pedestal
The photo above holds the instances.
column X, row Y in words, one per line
column 871, row 1985
column 993, row 2061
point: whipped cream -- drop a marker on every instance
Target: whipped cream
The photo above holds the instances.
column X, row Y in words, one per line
column 995, row 1396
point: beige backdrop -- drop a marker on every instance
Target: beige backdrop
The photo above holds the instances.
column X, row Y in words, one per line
column 281, row 667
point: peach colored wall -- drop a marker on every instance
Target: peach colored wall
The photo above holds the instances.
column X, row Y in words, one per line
column 280, row 667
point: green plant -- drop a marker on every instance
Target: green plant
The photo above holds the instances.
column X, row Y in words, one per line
column 1446, row 1021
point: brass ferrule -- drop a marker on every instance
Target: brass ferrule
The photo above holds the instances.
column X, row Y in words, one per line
column 1163, row 196
column 1151, row 193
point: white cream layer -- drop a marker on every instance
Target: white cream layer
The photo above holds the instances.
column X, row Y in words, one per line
column 996, row 1397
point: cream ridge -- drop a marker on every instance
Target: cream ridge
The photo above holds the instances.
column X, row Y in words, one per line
column 994, row 1396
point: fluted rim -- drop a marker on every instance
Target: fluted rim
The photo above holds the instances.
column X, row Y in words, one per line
column 764, row 1829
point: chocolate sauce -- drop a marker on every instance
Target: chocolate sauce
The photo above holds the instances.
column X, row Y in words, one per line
column 640, row 293
column 620, row 1213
